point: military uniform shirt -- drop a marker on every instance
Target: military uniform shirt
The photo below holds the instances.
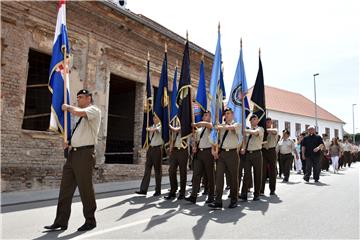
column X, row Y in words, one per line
column 271, row 141
column 178, row 140
column 205, row 140
column 233, row 138
column 286, row 146
column 346, row 147
column 255, row 142
column 155, row 137
column 87, row 131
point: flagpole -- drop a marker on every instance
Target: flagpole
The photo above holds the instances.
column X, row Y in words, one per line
column 147, row 107
column 242, row 108
column 65, row 96
column 191, row 99
column 168, row 100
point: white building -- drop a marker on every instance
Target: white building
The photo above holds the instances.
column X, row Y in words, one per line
column 293, row 111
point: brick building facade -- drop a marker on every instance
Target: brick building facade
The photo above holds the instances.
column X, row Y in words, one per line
column 109, row 46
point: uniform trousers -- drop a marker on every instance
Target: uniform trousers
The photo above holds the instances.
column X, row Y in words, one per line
column 285, row 161
column 312, row 163
column 269, row 165
column 77, row 172
column 153, row 158
column 347, row 158
column 228, row 163
column 252, row 159
column 204, row 167
column 178, row 158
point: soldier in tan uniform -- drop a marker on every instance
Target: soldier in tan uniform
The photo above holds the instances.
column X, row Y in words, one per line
column 253, row 158
column 204, row 161
column 227, row 159
column 153, row 158
column 269, row 157
column 178, row 158
column 80, row 163
column 347, row 152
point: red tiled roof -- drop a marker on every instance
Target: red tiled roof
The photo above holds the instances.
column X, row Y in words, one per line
column 290, row 102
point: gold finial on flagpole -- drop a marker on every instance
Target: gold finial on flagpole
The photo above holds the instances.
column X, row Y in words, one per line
column 240, row 42
column 187, row 35
column 148, row 58
column 166, row 47
column 259, row 52
column 219, row 26
column 176, row 63
column 202, row 55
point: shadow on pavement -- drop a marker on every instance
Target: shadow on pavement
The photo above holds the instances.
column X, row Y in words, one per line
column 55, row 235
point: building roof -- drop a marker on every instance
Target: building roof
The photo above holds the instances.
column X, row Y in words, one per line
column 156, row 26
column 280, row 100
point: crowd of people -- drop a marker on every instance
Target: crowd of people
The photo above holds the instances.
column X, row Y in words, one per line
column 243, row 162
column 246, row 158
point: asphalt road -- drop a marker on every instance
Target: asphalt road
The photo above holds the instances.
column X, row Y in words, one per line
column 327, row 210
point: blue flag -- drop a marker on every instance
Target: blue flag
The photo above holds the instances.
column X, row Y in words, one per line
column 148, row 113
column 222, row 89
column 161, row 108
column 174, row 108
column 57, row 74
column 239, row 90
column 201, row 99
column 216, row 95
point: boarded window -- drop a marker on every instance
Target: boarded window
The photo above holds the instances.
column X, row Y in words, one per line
column 38, row 97
column 336, row 133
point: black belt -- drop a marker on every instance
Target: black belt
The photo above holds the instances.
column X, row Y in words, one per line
column 203, row 149
column 273, row 148
column 180, row 148
column 155, row 146
column 228, row 149
column 253, row 151
column 286, row 154
column 82, row 148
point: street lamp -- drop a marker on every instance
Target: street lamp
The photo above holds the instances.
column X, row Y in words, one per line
column 316, row 118
column 354, row 104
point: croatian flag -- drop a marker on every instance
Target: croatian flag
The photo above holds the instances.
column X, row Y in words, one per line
column 57, row 73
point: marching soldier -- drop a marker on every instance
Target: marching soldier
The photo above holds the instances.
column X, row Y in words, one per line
column 178, row 158
column 269, row 157
column 153, row 158
column 80, row 163
column 285, row 148
column 227, row 159
column 347, row 153
column 253, row 158
column 203, row 164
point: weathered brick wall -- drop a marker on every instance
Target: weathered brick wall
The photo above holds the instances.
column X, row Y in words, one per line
column 103, row 41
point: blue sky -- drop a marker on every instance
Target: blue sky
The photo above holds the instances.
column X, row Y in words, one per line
column 297, row 39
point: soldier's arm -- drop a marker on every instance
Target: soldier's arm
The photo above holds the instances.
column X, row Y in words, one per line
column 79, row 112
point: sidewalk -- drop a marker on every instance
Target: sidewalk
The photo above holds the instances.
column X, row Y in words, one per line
column 14, row 198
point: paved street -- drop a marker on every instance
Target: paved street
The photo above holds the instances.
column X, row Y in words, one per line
column 326, row 210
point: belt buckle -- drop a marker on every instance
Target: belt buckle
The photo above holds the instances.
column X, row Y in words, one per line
column 226, row 150
column 201, row 149
column 178, row 148
column 251, row 151
column 74, row 149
